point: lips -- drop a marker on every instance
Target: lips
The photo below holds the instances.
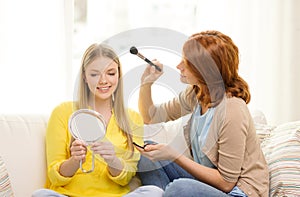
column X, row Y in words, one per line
column 103, row 89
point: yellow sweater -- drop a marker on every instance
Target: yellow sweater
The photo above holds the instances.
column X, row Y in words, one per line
column 99, row 182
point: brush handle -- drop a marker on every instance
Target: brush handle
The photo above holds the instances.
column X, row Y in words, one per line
column 152, row 64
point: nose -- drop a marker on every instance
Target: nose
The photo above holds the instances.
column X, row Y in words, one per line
column 180, row 66
column 102, row 79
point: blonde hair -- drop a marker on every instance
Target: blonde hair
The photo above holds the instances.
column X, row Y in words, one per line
column 95, row 51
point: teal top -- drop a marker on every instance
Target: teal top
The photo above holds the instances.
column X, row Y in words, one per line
column 199, row 130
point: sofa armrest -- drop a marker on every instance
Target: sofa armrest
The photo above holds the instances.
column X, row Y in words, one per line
column 22, row 147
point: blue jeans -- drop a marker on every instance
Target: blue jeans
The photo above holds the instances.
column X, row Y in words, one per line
column 160, row 173
column 46, row 193
column 145, row 191
column 177, row 182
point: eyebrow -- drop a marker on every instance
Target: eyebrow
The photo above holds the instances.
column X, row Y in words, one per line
column 110, row 69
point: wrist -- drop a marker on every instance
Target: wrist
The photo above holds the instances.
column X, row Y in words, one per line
column 115, row 163
column 176, row 156
column 115, row 167
column 74, row 161
column 146, row 83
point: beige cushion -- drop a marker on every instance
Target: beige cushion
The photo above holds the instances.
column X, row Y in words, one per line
column 5, row 186
column 282, row 152
column 22, row 147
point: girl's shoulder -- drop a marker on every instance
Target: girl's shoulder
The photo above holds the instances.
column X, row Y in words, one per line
column 236, row 108
column 134, row 114
column 235, row 101
column 135, row 117
column 231, row 108
column 66, row 105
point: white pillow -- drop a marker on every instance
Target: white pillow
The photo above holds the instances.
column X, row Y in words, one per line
column 263, row 132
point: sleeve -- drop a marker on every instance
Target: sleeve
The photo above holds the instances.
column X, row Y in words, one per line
column 129, row 170
column 57, row 145
column 130, row 161
column 175, row 108
column 232, row 140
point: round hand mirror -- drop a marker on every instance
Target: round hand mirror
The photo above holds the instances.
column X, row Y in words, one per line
column 89, row 126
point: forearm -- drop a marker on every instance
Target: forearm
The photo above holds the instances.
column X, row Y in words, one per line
column 205, row 174
column 125, row 174
column 116, row 167
column 69, row 167
column 145, row 102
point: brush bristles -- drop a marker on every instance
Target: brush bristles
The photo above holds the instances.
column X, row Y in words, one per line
column 133, row 50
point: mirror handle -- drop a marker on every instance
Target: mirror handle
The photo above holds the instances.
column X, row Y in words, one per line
column 93, row 165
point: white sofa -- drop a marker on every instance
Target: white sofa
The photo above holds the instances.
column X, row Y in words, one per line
column 22, row 150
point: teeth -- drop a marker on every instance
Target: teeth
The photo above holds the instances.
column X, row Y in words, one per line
column 103, row 88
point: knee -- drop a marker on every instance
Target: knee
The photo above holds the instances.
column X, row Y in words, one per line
column 38, row 193
column 46, row 193
column 182, row 187
column 146, row 191
column 150, row 190
column 145, row 165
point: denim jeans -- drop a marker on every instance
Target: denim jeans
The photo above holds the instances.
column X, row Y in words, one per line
column 145, row 191
column 177, row 182
column 160, row 173
column 46, row 193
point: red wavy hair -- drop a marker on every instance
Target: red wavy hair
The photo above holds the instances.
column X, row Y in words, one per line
column 214, row 59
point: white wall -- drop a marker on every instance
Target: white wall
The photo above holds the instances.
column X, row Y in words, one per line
column 35, row 54
column 266, row 32
column 37, row 70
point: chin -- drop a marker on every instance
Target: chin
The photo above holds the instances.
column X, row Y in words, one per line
column 103, row 96
column 183, row 80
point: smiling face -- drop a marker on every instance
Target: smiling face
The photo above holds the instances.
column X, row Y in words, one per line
column 102, row 77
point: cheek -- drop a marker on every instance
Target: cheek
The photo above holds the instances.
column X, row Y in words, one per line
column 192, row 80
column 91, row 81
column 115, row 81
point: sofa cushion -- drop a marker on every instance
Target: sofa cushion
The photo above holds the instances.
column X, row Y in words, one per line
column 5, row 186
column 22, row 147
column 263, row 132
column 282, row 152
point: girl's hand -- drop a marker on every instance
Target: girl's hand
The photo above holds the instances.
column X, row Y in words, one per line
column 78, row 150
column 151, row 74
column 106, row 150
column 157, row 152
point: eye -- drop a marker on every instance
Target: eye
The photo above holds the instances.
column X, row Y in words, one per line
column 94, row 75
column 112, row 73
